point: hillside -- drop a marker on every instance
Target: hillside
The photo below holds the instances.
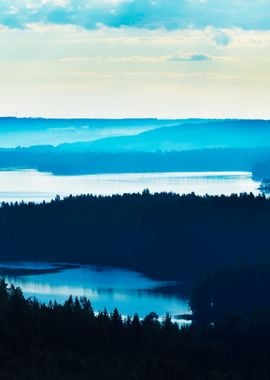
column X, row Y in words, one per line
column 36, row 131
column 186, row 136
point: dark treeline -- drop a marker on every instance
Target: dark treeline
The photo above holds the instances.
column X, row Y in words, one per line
column 239, row 289
column 64, row 162
column 163, row 235
column 68, row 160
column 67, row 342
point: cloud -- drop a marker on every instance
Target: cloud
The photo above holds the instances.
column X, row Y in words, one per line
column 219, row 37
column 145, row 59
column 147, row 14
column 189, row 58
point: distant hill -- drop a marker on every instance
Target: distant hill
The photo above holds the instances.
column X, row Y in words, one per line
column 36, row 131
column 186, row 136
column 133, row 135
column 192, row 145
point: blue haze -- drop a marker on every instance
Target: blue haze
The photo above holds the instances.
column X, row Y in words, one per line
column 27, row 132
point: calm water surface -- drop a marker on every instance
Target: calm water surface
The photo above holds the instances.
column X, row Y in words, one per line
column 30, row 185
column 107, row 288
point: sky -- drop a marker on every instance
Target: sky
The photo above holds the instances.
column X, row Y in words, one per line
column 135, row 58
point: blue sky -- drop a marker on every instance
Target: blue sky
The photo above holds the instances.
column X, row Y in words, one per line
column 128, row 58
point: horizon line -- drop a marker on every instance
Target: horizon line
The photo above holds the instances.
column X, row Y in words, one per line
column 130, row 118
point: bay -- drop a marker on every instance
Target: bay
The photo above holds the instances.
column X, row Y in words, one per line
column 129, row 292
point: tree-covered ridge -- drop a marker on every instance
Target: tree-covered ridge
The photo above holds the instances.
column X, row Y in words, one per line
column 66, row 161
column 68, row 341
column 164, row 235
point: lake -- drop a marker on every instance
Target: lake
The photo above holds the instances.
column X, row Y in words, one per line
column 30, row 185
column 130, row 292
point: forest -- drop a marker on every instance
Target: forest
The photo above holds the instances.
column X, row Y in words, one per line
column 69, row 341
column 166, row 236
column 69, row 160
column 218, row 245
column 65, row 161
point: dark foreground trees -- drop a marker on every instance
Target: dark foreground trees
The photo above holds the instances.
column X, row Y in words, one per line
column 240, row 289
column 70, row 342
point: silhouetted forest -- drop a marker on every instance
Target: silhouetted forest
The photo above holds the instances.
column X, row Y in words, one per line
column 239, row 289
column 164, row 235
column 68, row 341
column 219, row 243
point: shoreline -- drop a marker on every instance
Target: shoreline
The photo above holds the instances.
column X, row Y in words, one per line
column 17, row 272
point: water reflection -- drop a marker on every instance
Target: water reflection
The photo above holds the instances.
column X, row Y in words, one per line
column 106, row 288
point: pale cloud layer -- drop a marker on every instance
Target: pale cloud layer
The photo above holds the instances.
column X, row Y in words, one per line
column 147, row 14
column 127, row 58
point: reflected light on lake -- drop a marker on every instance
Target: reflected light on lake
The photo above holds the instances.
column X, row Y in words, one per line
column 108, row 288
column 30, row 185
